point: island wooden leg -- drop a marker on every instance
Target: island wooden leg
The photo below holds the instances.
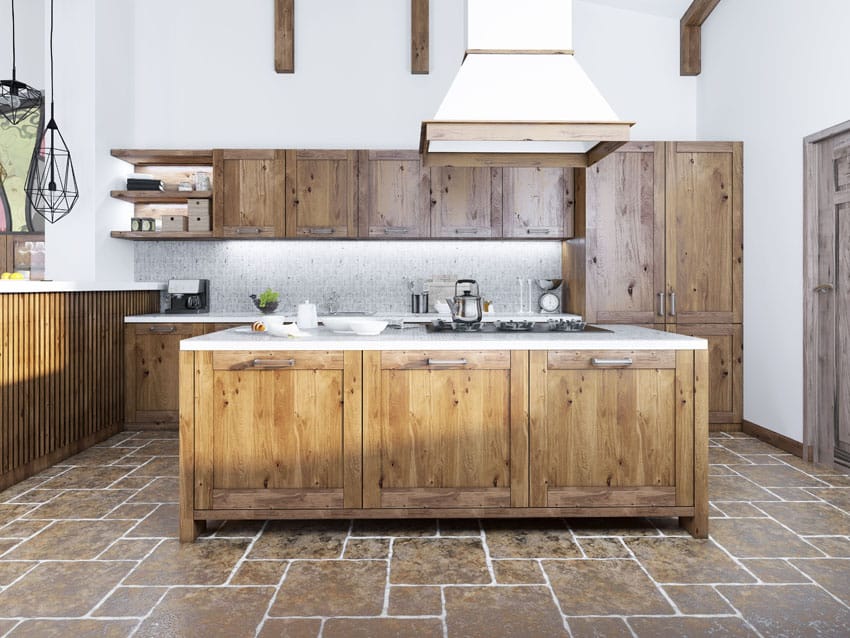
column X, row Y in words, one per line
column 189, row 529
column 697, row 524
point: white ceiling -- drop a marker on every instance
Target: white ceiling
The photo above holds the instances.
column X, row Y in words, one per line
column 667, row 8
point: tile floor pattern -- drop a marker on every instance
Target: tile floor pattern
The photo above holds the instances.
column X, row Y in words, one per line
column 88, row 548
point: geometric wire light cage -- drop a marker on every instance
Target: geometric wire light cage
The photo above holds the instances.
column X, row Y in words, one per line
column 18, row 100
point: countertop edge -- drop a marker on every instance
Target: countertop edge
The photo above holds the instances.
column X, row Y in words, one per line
column 24, row 286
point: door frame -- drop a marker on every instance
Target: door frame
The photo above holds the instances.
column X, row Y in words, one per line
column 818, row 444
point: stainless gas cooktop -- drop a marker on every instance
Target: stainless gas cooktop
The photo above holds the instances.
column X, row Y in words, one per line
column 550, row 325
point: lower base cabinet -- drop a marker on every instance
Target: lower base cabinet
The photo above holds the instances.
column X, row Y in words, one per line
column 443, row 434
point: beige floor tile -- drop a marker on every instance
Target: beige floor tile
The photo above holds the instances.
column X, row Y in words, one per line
column 204, row 612
column 759, row 538
column 383, row 628
column 604, row 548
column 736, row 509
column 6, row 625
column 775, row 571
column 296, row 539
column 11, row 570
column 835, row 546
column 143, row 435
column 158, row 466
column 239, row 529
column 722, row 456
column 493, row 612
column 75, row 588
column 795, row 493
column 204, row 562
column 130, row 601
column 612, row 527
column 434, row 561
column 761, row 459
column 833, row 574
column 415, row 601
column 810, row 519
column 530, row 539
column 98, row 456
column 367, row 548
column 87, row 478
column 598, row 628
column 160, row 447
column 259, row 572
column 698, row 600
column 604, row 587
column 746, row 445
column 518, row 572
column 36, row 496
column 735, row 488
column 290, row 628
column 715, row 627
column 160, row 490
column 22, row 528
column 402, row 527
column 789, row 610
column 132, row 511
column 74, row 627
column 9, row 513
column 777, row 476
column 836, row 480
column 161, row 523
column 686, row 560
column 129, row 549
column 838, row 496
column 332, row 588
column 70, row 540
column 80, row 504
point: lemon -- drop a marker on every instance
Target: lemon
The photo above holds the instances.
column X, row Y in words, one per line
column 6, row 275
column 16, row 275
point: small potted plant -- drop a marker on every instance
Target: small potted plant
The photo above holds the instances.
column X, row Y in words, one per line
column 267, row 302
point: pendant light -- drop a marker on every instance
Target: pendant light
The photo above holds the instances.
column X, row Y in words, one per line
column 18, row 101
column 52, row 186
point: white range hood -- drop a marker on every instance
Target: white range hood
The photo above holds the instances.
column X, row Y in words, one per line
column 520, row 98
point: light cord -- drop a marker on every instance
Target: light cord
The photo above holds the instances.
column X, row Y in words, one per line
column 51, row 59
column 13, row 40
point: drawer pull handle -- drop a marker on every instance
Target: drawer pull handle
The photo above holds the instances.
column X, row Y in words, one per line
column 538, row 231
column 271, row 364
column 672, row 304
column 162, row 330
column 661, row 310
column 396, row 230
column 610, row 363
column 321, row 231
column 466, row 231
column 248, row 231
column 446, row 362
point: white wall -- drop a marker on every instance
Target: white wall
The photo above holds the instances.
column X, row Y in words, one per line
column 770, row 78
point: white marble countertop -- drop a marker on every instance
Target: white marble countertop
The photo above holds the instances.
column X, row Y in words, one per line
column 25, row 285
column 250, row 317
column 618, row 338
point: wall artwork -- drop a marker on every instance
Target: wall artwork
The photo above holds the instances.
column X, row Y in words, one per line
column 17, row 144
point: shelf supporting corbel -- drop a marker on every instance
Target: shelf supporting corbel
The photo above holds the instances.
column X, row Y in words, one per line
column 419, row 37
column 284, row 36
column 690, row 28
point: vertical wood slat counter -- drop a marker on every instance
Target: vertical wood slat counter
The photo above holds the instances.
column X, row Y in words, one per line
column 62, row 368
column 416, row 425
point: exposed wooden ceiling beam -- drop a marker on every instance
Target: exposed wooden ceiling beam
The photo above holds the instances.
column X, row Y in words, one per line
column 419, row 37
column 284, row 36
column 690, row 45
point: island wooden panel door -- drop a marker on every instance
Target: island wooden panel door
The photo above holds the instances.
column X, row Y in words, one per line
column 271, row 431
column 438, row 429
column 466, row 202
column 321, row 193
column 625, row 235
column 393, row 195
column 605, row 428
column 248, row 196
column 537, row 202
column 704, row 232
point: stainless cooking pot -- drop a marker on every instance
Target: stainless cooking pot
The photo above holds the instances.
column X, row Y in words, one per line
column 466, row 307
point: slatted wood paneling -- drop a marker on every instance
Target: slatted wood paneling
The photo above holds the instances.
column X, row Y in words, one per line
column 61, row 374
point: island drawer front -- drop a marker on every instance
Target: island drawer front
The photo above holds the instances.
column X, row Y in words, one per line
column 600, row 359
column 178, row 329
column 446, row 360
column 278, row 360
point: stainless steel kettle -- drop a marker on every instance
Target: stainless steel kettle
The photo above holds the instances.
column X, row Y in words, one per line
column 466, row 307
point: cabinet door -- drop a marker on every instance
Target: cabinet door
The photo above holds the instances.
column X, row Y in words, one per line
column 625, row 235
column 248, row 200
column 438, row 429
column 466, row 202
column 273, row 431
column 321, row 193
column 393, row 195
column 537, row 202
column 704, row 232
column 608, row 437
column 151, row 376
column 725, row 369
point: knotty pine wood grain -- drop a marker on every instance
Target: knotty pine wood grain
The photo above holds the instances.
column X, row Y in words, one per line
column 321, row 193
column 393, row 190
column 188, row 528
column 466, row 202
column 284, row 36
column 419, row 37
column 537, row 202
column 684, row 427
column 248, row 187
column 697, row 524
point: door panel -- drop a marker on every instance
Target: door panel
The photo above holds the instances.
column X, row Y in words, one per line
column 248, row 200
column 393, row 195
column 842, row 324
column 321, row 193
column 537, row 202
column 466, row 202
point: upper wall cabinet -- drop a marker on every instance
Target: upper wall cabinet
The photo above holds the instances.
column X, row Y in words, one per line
column 466, row 202
column 537, row 202
column 248, row 199
column 321, row 194
column 393, row 195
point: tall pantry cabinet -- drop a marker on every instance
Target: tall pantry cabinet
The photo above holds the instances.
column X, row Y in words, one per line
column 659, row 242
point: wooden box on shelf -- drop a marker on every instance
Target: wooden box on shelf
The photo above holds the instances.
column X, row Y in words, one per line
column 174, row 223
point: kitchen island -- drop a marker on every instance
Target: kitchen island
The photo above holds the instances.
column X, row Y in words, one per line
column 408, row 424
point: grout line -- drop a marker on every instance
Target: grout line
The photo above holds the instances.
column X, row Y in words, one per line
column 487, row 558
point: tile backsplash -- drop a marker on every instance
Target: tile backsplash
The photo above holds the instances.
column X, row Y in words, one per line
column 362, row 275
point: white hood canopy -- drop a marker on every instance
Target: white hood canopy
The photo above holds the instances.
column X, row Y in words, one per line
column 520, row 98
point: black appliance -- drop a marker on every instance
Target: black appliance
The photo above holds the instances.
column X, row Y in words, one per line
column 189, row 296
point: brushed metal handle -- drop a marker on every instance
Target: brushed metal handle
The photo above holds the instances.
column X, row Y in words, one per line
column 467, row 231
column 446, row 362
column 538, row 231
column 822, row 288
column 610, row 363
column 162, row 330
column 321, row 231
column 661, row 311
column 396, row 230
column 271, row 364
column 672, row 304
column 248, row 231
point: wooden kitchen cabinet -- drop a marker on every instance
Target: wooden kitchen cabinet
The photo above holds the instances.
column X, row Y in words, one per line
column 537, row 202
column 248, row 200
column 393, row 191
column 278, row 430
column 321, row 193
column 151, row 372
column 466, row 202
column 444, row 429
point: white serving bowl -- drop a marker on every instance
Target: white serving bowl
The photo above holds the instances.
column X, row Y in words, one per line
column 367, row 327
column 280, row 328
column 340, row 325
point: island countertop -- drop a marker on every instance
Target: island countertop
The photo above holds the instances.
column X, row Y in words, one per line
column 615, row 337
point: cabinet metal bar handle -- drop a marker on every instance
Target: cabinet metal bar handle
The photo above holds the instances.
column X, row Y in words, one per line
column 248, row 231
column 321, row 231
column 396, row 230
column 446, row 362
column 822, row 288
column 661, row 310
column 273, row 363
column 538, row 231
column 604, row 363
column 162, row 330
column 672, row 304
column 466, row 231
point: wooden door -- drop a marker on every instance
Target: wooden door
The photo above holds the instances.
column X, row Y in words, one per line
column 466, row 202
column 704, row 232
column 151, row 372
column 277, row 431
column 625, row 236
column 393, row 195
column 610, row 437
column 725, row 369
column 438, row 429
column 537, row 202
column 248, row 197
column 321, row 194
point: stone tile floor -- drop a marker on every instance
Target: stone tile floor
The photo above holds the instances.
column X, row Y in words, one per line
column 88, row 548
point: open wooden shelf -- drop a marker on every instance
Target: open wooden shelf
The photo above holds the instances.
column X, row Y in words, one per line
column 159, row 197
column 169, row 157
column 159, row 236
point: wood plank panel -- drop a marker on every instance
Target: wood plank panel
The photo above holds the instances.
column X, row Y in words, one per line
column 249, row 188
column 321, row 194
column 519, row 428
column 188, row 528
column 466, row 202
column 537, row 427
column 353, row 429
column 372, row 429
column 292, row 359
column 611, row 497
column 537, row 202
column 393, row 191
column 284, row 36
column 446, row 497
column 277, row 498
column 419, row 37
column 583, row 359
column 446, row 359
column 697, row 524
column 684, row 434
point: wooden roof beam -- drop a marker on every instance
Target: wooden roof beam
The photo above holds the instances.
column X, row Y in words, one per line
column 284, row 36
column 690, row 45
column 419, row 37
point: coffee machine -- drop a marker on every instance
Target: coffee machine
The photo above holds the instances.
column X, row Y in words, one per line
column 189, row 296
